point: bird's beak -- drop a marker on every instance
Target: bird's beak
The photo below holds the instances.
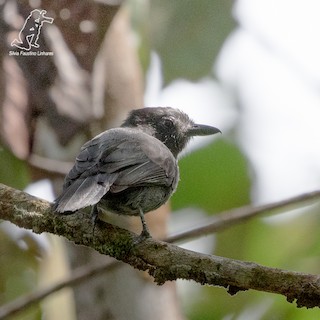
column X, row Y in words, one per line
column 202, row 130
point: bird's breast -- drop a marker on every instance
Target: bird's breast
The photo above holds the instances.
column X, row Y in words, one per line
column 128, row 202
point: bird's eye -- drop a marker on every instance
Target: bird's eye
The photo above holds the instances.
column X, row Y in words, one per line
column 167, row 123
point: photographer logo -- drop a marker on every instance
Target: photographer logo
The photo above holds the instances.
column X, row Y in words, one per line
column 30, row 33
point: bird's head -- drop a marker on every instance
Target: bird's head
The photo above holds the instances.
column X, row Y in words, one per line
column 171, row 126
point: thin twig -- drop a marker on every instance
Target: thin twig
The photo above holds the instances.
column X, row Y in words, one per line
column 50, row 165
column 78, row 275
column 232, row 217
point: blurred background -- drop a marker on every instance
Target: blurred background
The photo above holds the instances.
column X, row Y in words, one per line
column 250, row 68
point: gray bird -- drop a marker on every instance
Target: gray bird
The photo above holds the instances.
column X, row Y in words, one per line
column 133, row 169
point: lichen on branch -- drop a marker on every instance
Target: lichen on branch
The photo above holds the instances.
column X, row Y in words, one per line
column 164, row 261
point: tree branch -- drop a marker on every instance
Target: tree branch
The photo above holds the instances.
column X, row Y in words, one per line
column 163, row 261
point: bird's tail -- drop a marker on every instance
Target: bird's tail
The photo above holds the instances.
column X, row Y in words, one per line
column 83, row 193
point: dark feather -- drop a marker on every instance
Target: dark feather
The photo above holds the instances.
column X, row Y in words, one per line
column 114, row 161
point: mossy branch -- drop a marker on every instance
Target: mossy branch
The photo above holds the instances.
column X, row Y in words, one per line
column 163, row 261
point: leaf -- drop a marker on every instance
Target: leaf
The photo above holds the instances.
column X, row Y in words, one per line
column 214, row 178
column 13, row 171
column 188, row 35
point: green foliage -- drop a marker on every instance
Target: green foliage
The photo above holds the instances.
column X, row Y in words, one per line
column 18, row 266
column 14, row 172
column 214, row 178
column 18, row 274
column 188, row 35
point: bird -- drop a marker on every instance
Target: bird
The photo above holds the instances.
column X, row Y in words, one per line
column 133, row 169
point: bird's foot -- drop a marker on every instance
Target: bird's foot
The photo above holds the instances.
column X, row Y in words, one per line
column 94, row 217
column 145, row 234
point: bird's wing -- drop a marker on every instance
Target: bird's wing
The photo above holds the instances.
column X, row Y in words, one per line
column 115, row 160
column 141, row 162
